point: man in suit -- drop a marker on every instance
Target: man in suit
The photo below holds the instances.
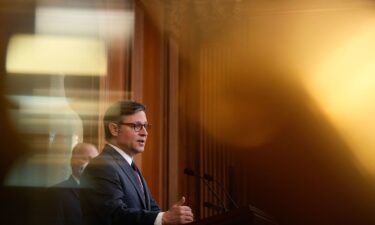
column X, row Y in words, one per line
column 114, row 191
column 66, row 193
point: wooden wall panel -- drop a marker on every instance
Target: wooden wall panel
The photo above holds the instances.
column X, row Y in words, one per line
column 148, row 87
column 115, row 85
column 173, row 169
column 264, row 142
column 200, row 151
column 213, row 156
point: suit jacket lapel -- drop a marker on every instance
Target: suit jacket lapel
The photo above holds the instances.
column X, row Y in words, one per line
column 128, row 170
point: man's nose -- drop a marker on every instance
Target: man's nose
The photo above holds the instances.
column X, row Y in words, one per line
column 143, row 131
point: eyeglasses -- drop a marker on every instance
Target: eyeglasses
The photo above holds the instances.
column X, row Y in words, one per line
column 137, row 126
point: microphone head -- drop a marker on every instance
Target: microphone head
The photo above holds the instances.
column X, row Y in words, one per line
column 189, row 172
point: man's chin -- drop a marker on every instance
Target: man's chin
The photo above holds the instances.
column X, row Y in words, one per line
column 139, row 150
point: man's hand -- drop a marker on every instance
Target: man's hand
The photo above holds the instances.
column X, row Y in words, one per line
column 178, row 214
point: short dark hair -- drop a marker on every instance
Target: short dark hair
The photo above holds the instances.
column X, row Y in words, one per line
column 117, row 110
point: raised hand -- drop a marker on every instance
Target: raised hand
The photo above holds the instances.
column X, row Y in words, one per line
column 178, row 214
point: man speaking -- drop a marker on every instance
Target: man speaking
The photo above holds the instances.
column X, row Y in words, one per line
column 114, row 191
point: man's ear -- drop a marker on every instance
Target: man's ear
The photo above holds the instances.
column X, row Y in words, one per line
column 113, row 128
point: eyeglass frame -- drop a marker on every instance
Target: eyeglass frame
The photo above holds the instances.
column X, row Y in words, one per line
column 140, row 126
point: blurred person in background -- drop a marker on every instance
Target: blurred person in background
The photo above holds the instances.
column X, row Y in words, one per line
column 66, row 194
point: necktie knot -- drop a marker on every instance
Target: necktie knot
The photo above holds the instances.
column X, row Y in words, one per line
column 134, row 166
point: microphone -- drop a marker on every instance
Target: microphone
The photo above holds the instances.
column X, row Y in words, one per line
column 190, row 172
column 258, row 213
column 210, row 178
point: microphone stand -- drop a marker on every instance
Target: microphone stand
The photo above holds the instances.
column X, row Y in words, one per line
column 210, row 189
column 210, row 178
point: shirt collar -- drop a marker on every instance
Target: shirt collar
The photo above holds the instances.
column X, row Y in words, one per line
column 127, row 157
column 75, row 179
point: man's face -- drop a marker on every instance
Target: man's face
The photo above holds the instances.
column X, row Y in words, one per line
column 129, row 140
column 82, row 157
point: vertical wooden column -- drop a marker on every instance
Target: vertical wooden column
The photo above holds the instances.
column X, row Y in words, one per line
column 114, row 86
column 173, row 170
column 148, row 86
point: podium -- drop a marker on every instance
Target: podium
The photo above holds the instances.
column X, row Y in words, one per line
column 241, row 216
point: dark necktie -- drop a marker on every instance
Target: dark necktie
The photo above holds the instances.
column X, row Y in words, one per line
column 137, row 177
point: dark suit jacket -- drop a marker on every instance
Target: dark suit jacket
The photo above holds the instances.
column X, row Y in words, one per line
column 66, row 203
column 110, row 194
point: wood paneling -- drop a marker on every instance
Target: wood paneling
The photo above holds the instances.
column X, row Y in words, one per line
column 201, row 151
column 148, row 83
column 115, row 85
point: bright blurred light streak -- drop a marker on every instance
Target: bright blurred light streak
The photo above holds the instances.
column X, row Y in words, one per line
column 106, row 23
column 36, row 114
column 51, row 128
column 344, row 85
column 51, row 55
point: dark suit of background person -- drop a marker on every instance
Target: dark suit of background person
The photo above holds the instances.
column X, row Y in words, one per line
column 111, row 192
column 66, row 203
